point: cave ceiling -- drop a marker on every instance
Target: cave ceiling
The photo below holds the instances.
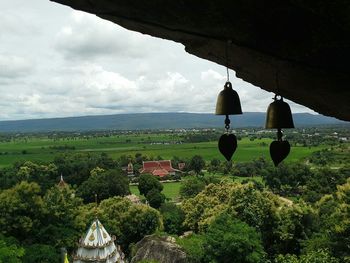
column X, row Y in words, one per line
column 305, row 45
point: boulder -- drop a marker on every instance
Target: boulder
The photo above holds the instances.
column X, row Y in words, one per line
column 161, row 249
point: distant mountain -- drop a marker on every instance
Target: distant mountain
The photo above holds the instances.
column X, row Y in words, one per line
column 142, row 121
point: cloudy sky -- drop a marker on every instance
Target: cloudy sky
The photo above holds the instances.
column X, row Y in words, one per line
column 57, row 62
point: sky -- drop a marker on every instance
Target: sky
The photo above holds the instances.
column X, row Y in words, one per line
column 58, row 62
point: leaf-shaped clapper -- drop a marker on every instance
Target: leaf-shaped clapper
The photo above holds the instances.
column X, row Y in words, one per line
column 227, row 145
column 279, row 150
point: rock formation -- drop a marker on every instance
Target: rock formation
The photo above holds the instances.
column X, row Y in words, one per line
column 161, row 249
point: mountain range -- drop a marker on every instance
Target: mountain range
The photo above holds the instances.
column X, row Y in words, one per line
column 143, row 121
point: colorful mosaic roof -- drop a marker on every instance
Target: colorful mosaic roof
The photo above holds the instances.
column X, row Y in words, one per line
column 98, row 246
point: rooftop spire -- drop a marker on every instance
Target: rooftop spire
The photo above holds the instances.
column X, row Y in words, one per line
column 62, row 183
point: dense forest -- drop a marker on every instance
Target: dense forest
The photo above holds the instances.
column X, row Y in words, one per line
column 248, row 211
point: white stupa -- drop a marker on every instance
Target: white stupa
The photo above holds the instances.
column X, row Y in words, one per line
column 98, row 247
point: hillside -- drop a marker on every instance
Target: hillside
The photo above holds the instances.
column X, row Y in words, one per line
column 144, row 121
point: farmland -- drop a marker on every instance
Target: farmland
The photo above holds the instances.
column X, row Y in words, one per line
column 165, row 145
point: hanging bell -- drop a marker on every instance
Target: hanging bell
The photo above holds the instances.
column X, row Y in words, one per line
column 228, row 102
column 279, row 115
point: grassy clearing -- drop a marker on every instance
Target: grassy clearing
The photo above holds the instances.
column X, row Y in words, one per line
column 171, row 190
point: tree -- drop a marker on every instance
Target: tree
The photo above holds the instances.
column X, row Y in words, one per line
column 8, row 177
column 194, row 247
column 191, row 187
column 10, row 251
column 334, row 213
column 228, row 238
column 42, row 174
column 196, row 164
column 214, row 165
column 61, row 208
column 41, row 253
column 76, row 167
column 21, row 210
column 173, row 217
column 319, row 256
column 205, row 206
column 296, row 224
column 148, row 182
column 324, row 181
column 155, row 198
column 105, row 162
column 129, row 222
column 287, row 180
column 108, row 184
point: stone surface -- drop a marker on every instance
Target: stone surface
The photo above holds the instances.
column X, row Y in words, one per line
column 162, row 249
column 304, row 46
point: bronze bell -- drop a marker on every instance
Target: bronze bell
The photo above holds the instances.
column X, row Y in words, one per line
column 228, row 102
column 279, row 115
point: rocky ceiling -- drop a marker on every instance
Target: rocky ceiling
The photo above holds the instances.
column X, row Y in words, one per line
column 300, row 49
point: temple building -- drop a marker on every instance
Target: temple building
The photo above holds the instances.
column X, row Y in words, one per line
column 130, row 170
column 98, row 246
column 158, row 168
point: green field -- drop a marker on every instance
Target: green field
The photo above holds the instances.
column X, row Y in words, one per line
column 163, row 145
column 170, row 190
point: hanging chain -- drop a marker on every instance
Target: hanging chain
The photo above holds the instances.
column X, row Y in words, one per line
column 226, row 54
column 279, row 134
column 277, row 83
column 227, row 123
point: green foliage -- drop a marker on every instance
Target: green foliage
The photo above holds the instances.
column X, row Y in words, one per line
column 319, row 256
column 194, row 247
column 20, row 209
column 228, row 238
column 129, row 222
column 61, row 210
column 44, row 175
column 10, row 251
column 173, row 217
column 190, row 187
column 155, row 198
column 148, row 182
column 282, row 224
column 204, row 207
column 76, row 167
column 214, row 165
column 334, row 214
column 196, row 164
column 41, row 253
column 287, row 180
column 251, row 168
column 105, row 185
column 324, row 181
column 296, row 224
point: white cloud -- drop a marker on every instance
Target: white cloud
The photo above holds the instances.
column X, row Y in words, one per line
column 14, row 66
column 56, row 62
column 87, row 37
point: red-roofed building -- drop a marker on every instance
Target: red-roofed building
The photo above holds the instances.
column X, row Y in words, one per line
column 158, row 168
